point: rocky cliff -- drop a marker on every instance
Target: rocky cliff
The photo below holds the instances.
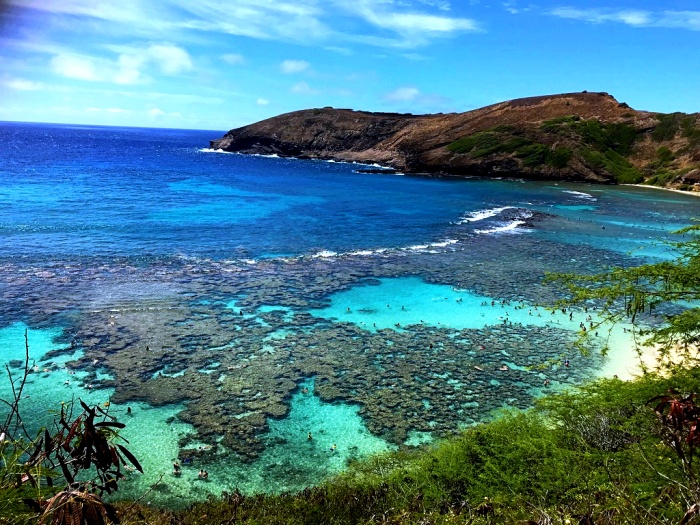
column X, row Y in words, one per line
column 574, row 136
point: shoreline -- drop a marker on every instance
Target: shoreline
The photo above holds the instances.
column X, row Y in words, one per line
column 683, row 192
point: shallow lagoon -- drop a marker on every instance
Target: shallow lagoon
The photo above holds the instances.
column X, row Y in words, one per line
column 210, row 294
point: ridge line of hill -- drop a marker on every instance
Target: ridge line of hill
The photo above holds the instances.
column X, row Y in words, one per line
column 584, row 137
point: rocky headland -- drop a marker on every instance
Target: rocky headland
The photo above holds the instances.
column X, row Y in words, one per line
column 575, row 137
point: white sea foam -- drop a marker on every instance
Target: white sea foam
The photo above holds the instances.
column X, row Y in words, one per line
column 581, row 195
column 479, row 215
column 511, row 227
column 209, row 150
column 324, row 254
column 443, row 244
column 432, row 247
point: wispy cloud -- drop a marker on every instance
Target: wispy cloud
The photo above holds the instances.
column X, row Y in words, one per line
column 169, row 58
column 233, row 59
column 127, row 68
column 262, row 102
column 689, row 20
column 113, row 111
column 402, row 94
column 413, row 99
column 22, row 84
column 294, row 66
column 75, row 66
column 404, row 23
column 302, row 88
column 133, row 14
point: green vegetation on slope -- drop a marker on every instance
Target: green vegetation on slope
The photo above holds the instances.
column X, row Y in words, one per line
column 603, row 147
column 488, row 142
column 503, row 139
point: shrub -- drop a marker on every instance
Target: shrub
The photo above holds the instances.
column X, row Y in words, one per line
column 534, row 155
column 557, row 124
column 61, row 475
column 664, row 155
column 560, row 157
column 487, row 143
column 667, row 126
column 614, row 163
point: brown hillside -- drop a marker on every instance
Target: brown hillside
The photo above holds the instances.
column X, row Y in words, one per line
column 573, row 136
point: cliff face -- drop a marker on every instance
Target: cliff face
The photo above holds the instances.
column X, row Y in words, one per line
column 575, row 136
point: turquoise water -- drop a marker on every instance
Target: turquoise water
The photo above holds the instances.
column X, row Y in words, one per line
column 237, row 303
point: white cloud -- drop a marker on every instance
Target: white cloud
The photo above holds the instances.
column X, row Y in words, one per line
column 403, row 23
column 419, row 22
column 123, row 11
column 298, row 21
column 630, row 17
column 175, row 114
column 402, row 94
column 340, row 50
column 128, row 68
column 681, row 20
column 294, row 66
column 413, row 27
column 156, row 112
column 233, row 58
column 169, row 58
column 22, row 84
column 75, row 66
column 302, row 88
column 689, row 20
column 117, row 110
column 262, row 102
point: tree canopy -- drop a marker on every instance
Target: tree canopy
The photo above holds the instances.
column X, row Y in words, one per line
column 661, row 300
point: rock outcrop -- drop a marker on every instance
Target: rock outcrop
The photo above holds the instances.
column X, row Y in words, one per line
column 575, row 136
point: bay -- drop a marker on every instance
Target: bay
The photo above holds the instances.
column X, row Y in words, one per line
column 238, row 303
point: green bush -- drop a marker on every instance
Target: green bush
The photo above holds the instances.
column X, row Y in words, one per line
column 618, row 137
column 555, row 125
column 667, row 126
column 664, row 155
column 560, row 157
column 534, row 155
column 614, row 163
column 487, row 143
column 479, row 140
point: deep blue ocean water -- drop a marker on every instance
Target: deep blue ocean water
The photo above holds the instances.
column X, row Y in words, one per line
column 284, row 297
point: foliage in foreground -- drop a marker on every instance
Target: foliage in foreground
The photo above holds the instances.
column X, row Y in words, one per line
column 59, row 476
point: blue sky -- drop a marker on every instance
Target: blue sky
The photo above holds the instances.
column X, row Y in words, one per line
column 218, row 64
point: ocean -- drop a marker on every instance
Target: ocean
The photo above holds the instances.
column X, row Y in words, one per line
column 270, row 320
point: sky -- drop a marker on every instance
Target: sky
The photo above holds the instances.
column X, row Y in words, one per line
column 221, row 64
